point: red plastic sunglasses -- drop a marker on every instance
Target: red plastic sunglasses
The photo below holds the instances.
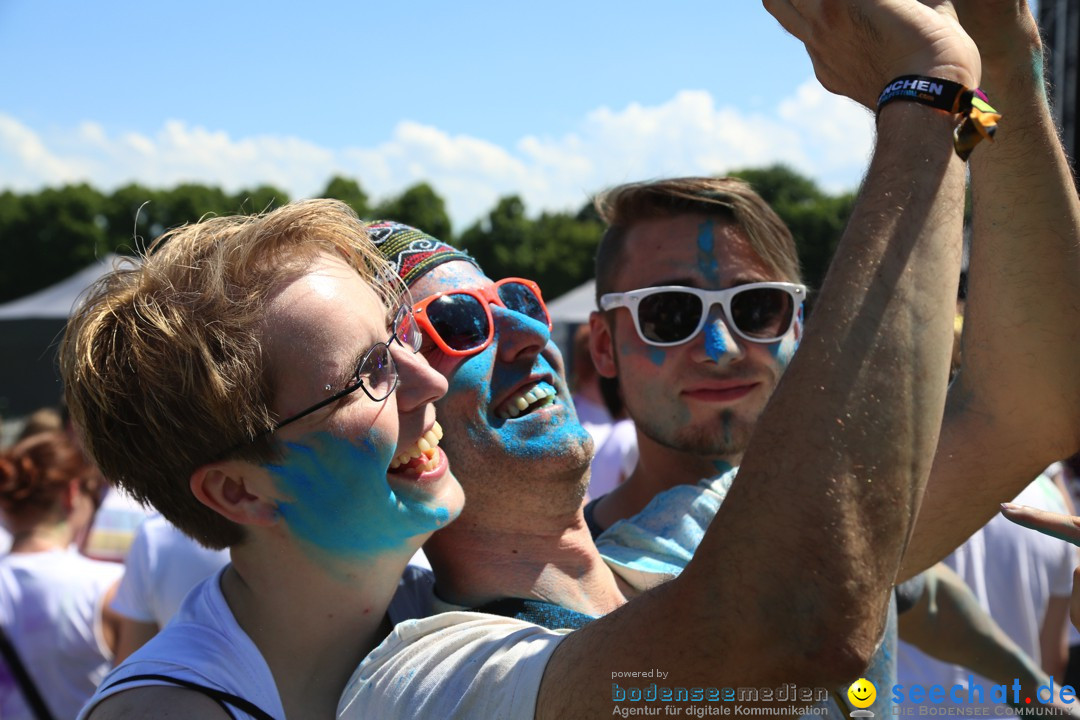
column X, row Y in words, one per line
column 460, row 321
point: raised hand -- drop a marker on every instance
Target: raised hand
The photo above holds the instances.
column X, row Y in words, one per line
column 857, row 46
column 1063, row 527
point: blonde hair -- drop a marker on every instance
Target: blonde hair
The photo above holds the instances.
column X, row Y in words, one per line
column 729, row 198
column 163, row 363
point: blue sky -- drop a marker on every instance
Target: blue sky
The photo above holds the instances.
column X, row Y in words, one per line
column 482, row 99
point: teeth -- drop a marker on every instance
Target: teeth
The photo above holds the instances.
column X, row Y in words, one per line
column 517, row 405
column 424, row 446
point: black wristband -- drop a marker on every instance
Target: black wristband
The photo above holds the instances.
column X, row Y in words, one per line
column 935, row 92
column 978, row 119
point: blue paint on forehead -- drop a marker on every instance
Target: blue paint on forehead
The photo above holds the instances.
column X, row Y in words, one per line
column 707, row 263
column 340, row 501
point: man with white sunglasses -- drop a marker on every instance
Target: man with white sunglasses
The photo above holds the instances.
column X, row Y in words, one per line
column 701, row 311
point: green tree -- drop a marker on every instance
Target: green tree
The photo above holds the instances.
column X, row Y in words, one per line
column 556, row 250
column 49, row 235
column 421, row 207
column 131, row 213
column 189, row 203
column 500, row 242
column 260, row 199
column 816, row 219
column 349, row 192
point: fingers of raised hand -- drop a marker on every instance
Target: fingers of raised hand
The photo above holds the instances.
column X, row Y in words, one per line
column 1064, row 527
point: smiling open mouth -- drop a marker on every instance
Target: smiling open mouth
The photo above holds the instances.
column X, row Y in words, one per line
column 526, row 402
column 422, row 456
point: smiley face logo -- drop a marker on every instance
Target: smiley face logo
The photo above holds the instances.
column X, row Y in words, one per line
column 862, row 693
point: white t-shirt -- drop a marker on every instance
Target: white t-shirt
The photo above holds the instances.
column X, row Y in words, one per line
column 473, row 666
column 114, row 526
column 1013, row 572
column 452, row 666
column 204, row 644
column 50, row 608
column 162, row 566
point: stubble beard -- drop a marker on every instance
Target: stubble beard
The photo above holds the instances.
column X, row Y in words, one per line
column 726, row 437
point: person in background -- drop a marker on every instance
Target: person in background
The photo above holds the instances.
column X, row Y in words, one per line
column 161, row 567
column 598, row 403
column 1022, row 580
column 41, row 420
column 940, row 615
column 53, row 601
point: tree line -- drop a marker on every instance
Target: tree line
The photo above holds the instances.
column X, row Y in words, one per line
column 48, row 235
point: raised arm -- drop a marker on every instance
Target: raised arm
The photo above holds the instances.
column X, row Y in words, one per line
column 1012, row 410
column 792, row 580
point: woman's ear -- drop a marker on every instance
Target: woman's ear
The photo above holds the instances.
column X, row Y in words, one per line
column 232, row 489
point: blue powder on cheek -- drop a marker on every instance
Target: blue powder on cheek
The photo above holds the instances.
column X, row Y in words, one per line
column 707, row 263
column 782, row 351
column 657, row 356
column 340, row 500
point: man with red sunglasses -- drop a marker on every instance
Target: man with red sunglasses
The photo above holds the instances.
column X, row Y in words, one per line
column 792, row 582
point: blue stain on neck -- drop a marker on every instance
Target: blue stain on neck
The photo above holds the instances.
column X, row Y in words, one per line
column 721, row 467
column 715, row 342
column 707, row 263
column 340, row 501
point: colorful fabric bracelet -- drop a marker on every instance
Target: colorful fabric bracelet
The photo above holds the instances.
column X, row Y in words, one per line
column 979, row 119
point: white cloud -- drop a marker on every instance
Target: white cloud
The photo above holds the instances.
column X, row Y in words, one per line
column 825, row 137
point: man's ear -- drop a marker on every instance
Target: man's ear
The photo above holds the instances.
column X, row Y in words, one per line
column 230, row 488
column 602, row 345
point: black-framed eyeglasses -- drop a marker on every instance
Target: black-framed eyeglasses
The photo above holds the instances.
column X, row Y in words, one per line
column 376, row 373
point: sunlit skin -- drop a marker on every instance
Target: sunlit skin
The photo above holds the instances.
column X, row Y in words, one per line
column 695, row 405
column 545, row 449
column 335, row 492
column 703, row 397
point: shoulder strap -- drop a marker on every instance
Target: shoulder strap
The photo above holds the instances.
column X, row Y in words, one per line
column 219, row 696
column 540, row 612
column 26, row 683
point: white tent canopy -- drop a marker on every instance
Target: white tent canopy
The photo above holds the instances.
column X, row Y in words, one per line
column 30, row 331
column 57, row 301
column 574, row 307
